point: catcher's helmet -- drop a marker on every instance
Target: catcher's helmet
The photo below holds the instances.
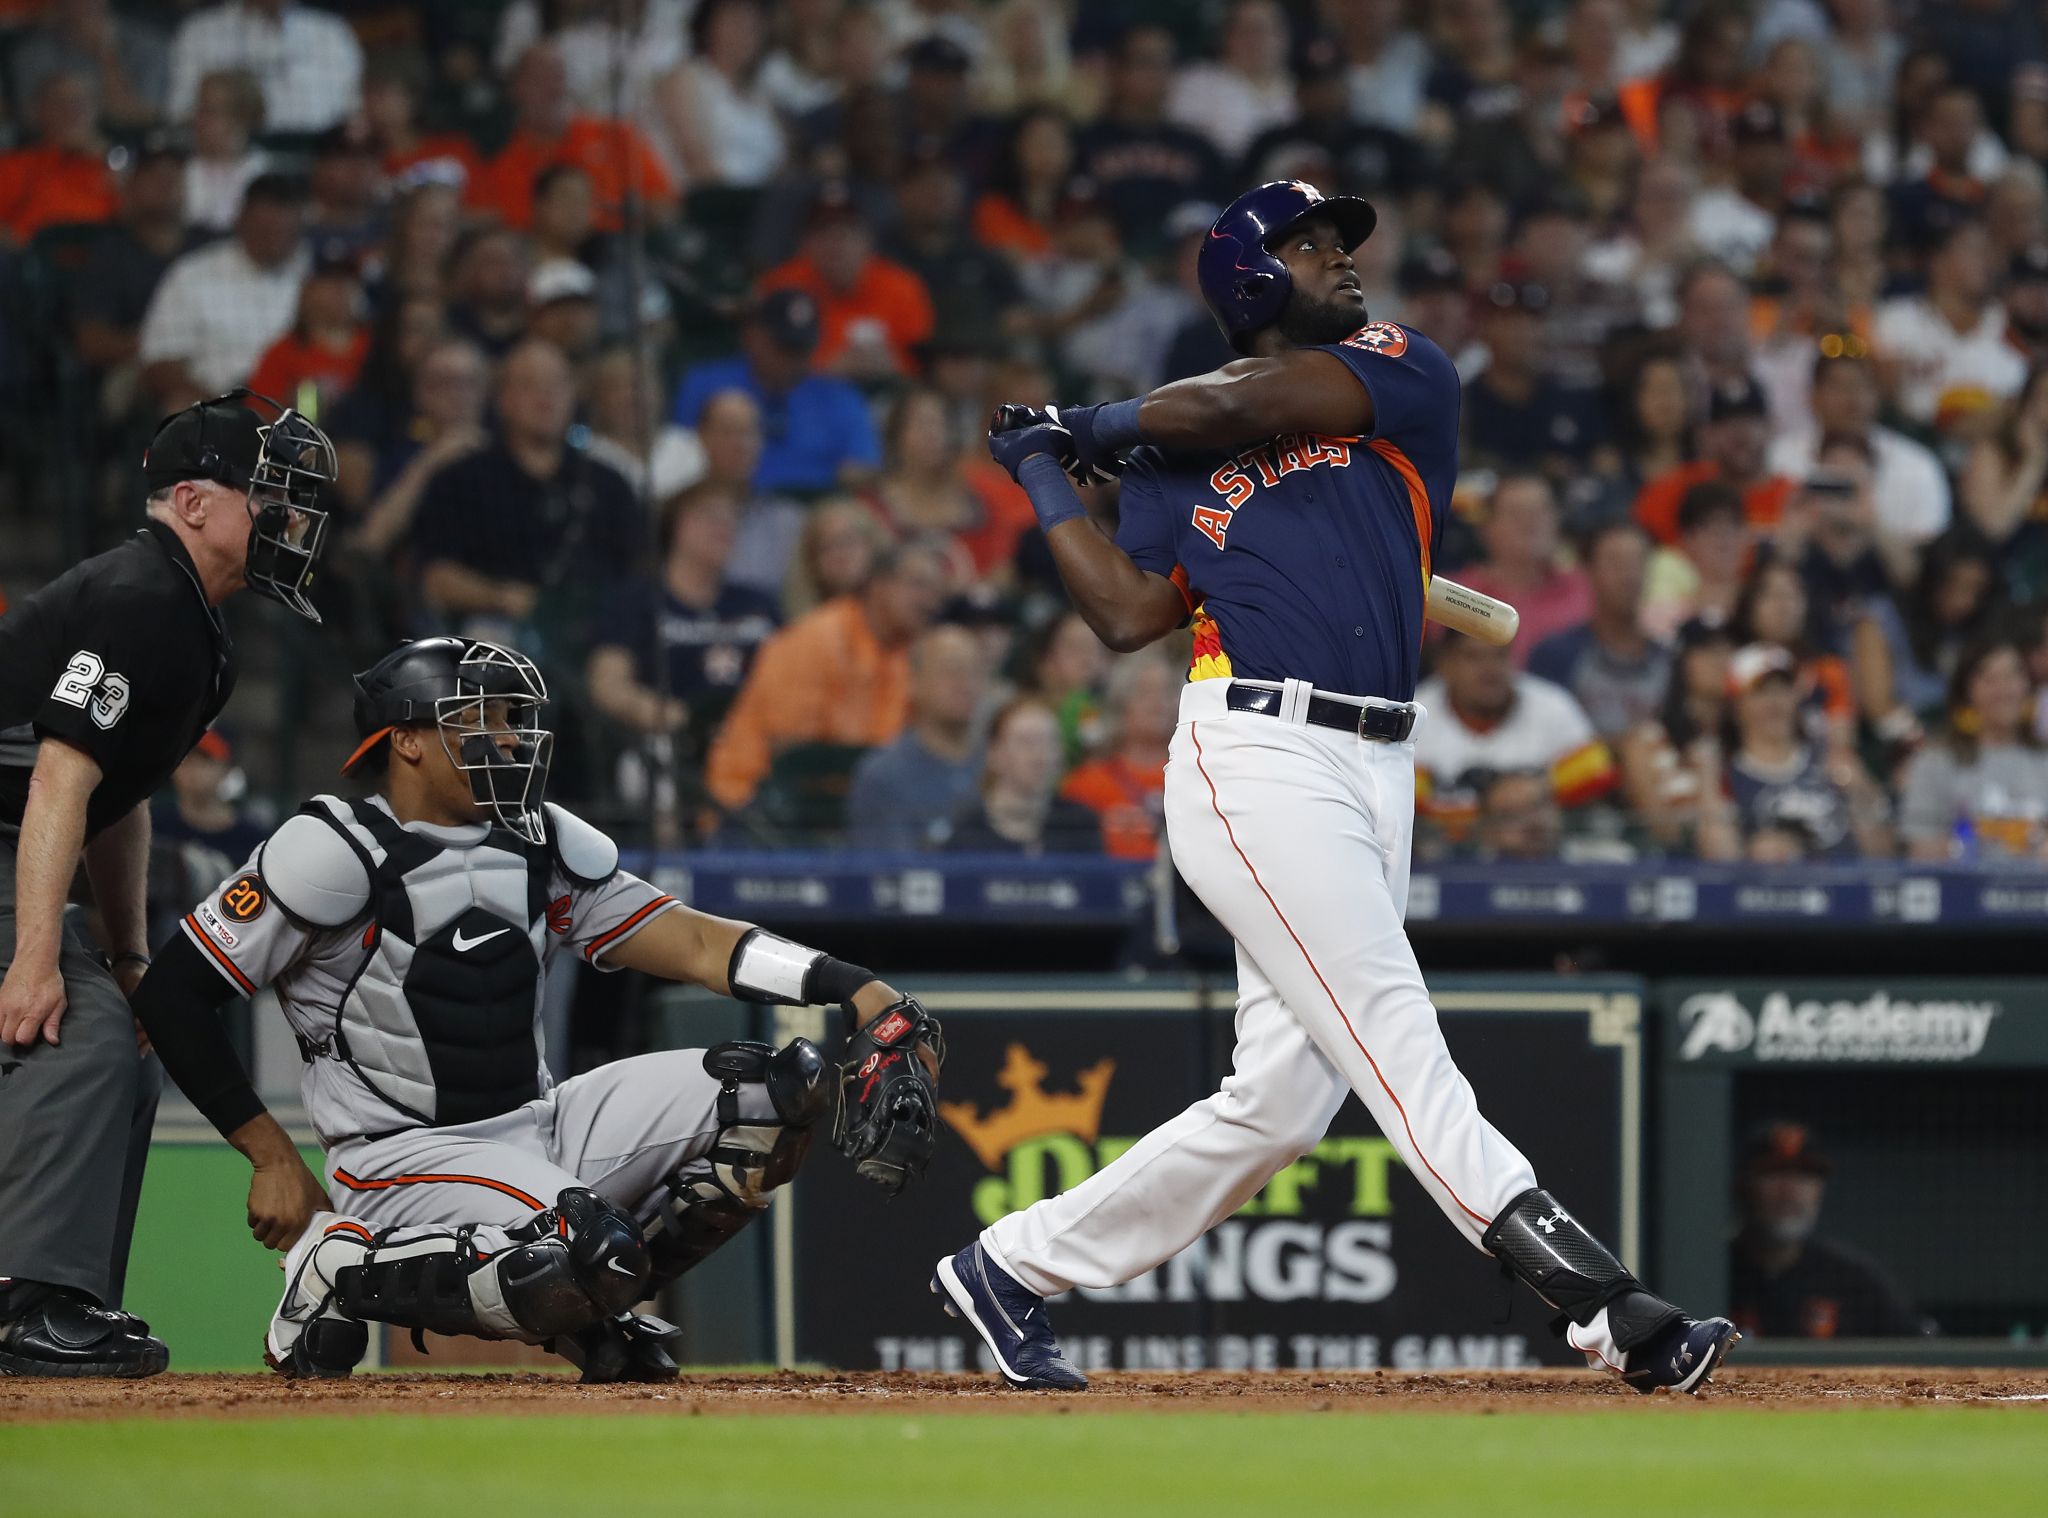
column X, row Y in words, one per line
column 1245, row 283
column 490, row 699
column 281, row 465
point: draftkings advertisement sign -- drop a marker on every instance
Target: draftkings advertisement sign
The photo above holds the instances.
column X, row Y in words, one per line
column 1341, row 1262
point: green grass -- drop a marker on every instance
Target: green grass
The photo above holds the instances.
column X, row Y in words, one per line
column 1660, row 1463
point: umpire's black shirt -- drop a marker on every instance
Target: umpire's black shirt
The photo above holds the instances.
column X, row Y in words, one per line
column 121, row 657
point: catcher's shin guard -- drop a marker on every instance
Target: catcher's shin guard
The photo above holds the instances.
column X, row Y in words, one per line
column 768, row 1101
column 577, row 1262
column 1538, row 1241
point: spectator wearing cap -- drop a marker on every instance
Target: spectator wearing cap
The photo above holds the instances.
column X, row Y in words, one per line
column 128, row 257
column 972, row 287
column 1484, row 715
column 392, row 90
column 1732, row 222
column 1980, row 788
column 1126, row 785
column 839, row 674
column 937, row 101
column 1928, row 201
column 1909, row 489
column 669, row 657
column 1385, row 63
column 547, row 130
column 522, row 539
column 1814, row 803
column 561, row 306
column 1525, row 562
column 722, row 121
column 1516, row 416
column 123, row 56
column 1019, row 210
column 1246, row 88
column 818, row 434
column 1945, row 351
column 1828, row 533
column 227, row 113
column 1140, row 162
column 1613, row 669
column 1785, row 1279
column 906, row 793
column 64, row 178
column 1732, row 449
column 872, row 314
column 1319, row 141
column 220, row 307
column 308, row 61
column 1699, row 577
column 344, row 210
column 487, row 280
column 1433, row 299
column 316, row 362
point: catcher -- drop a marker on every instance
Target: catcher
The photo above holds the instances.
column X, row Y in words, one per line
column 407, row 935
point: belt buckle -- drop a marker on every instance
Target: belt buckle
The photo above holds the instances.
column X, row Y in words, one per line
column 1359, row 725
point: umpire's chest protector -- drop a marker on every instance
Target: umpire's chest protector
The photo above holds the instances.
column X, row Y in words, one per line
column 443, row 1019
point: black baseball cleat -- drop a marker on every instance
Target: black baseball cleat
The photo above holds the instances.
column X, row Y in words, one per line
column 1009, row 1316
column 309, row 1337
column 1682, row 1358
column 63, row 1334
column 630, row 1347
column 326, row 1349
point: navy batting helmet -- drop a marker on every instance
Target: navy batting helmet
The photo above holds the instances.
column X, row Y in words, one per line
column 1244, row 282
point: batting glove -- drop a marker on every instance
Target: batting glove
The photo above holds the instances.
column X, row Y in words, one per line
column 1015, row 433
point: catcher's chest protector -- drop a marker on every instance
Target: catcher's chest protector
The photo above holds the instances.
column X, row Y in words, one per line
column 442, row 1021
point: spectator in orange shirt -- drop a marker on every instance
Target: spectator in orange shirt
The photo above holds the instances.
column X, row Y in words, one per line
column 838, row 674
column 1017, row 212
column 547, row 131
column 64, row 177
column 872, row 313
column 1732, row 447
column 315, row 364
column 391, row 93
column 1126, row 787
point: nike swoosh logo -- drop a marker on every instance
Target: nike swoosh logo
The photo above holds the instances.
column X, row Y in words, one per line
column 464, row 945
column 620, row 1266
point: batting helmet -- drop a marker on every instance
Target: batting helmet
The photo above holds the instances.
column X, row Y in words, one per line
column 475, row 693
column 1245, row 283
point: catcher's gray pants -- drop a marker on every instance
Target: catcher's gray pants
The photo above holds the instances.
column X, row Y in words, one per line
column 75, row 1119
column 620, row 1130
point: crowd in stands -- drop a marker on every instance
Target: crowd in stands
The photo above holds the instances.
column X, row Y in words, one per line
column 658, row 337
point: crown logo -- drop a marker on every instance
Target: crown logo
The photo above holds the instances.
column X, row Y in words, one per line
column 1033, row 1111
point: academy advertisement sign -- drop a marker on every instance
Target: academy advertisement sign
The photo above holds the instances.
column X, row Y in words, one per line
column 1830, row 1023
column 1340, row 1262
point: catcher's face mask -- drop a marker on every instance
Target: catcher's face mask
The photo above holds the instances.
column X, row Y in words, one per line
column 287, row 528
column 493, row 730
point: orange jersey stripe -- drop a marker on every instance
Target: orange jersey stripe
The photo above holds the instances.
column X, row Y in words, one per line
column 220, row 955
column 1418, row 499
column 604, row 939
column 356, row 1183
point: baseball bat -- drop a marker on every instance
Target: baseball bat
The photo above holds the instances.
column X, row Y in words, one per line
column 1465, row 610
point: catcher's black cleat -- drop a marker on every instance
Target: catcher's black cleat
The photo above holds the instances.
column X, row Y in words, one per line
column 61, row 1334
column 630, row 1347
column 327, row 1349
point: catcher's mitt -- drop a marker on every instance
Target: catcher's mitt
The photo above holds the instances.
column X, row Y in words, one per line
column 887, row 1122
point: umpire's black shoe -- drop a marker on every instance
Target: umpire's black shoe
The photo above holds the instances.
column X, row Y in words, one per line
column 630, row 1347
column 1010, row 1318
column 65, row 1335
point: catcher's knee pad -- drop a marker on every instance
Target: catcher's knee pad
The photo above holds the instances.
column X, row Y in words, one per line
column 1538, row 1241
column 574, row 1264
column 768, row 1102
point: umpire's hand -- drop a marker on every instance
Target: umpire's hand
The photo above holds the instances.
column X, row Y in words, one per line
column 32, row 1003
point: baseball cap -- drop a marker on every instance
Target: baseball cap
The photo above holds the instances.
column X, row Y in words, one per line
column 214, row 440
column 556, row 279
column 790, row 317
column 1759, row 121
column 1432, row 271
column 1737, row 397
column 1780, row 1146
column 1755, row 663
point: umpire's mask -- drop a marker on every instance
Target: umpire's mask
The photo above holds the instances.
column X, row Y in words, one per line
column 489, row 705
column 282, row 464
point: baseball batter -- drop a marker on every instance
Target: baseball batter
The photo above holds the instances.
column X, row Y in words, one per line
column 1288, row 504
column 407, row 934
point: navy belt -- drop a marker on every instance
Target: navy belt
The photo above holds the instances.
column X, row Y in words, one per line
column 1382, row 724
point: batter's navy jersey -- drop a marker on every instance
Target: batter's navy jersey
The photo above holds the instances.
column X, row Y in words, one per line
column 1308, row 557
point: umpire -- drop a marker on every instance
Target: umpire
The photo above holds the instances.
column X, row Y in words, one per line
column 108, row 676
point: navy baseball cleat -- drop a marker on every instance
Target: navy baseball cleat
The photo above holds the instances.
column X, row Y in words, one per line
column 1683, row 1358
column 1010, row 1318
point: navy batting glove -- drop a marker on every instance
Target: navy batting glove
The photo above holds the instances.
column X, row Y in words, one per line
column 1016, row 433
column 1101, row 434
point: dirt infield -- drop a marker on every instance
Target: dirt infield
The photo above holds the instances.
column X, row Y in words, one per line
column 174, row 1396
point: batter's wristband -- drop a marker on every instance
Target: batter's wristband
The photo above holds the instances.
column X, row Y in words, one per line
column 1114, row 427
column 1051, row 492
